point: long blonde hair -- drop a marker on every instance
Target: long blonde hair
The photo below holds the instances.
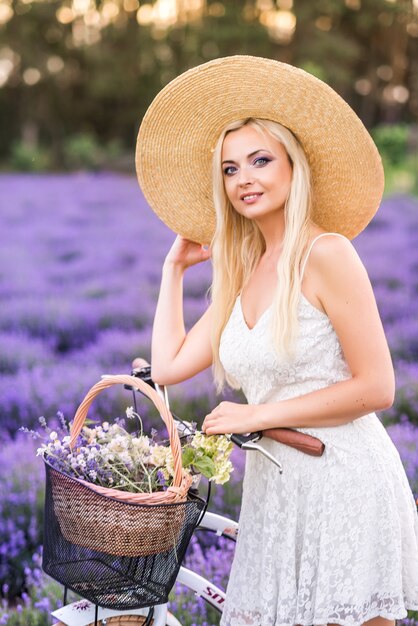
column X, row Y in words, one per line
column 238, row 245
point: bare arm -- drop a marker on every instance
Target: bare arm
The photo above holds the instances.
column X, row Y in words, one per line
column 344, row 290
column 175, row 354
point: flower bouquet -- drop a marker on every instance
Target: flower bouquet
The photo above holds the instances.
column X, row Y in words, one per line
column 107, row 455
column 119, row 508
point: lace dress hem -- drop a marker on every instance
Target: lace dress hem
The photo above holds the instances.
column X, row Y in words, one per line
column 397, row 612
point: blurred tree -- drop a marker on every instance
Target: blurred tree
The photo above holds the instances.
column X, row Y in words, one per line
column 93, row 66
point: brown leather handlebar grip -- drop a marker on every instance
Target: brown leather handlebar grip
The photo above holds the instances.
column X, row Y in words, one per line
column 295, row 439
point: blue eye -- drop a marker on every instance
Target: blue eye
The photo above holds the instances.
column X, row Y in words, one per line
column 261, row 161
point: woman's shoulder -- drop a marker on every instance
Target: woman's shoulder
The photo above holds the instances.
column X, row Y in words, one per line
column 332, row 257
column 324, row 245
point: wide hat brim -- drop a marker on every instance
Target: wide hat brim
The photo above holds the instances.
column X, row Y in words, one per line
column 182, row 125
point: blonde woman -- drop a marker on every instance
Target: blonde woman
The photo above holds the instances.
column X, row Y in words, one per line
column 294, row 323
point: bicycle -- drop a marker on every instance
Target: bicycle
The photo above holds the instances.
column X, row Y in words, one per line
column 222, row 526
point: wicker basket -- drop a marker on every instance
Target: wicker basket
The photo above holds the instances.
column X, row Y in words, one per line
column 82, row 507
column 92, row 520
column 119, row 550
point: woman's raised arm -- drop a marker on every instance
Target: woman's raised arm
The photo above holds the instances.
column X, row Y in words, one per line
column 175, row 354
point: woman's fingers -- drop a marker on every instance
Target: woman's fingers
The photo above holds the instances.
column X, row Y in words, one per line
column 231, row 417
column 225, row 418
column 187, row 253
column 139, row 362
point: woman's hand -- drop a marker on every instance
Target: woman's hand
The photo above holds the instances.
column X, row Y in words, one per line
column 230, row 417
column 186, row 253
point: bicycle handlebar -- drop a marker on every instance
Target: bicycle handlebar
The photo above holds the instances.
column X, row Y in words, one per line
column 250, row 442
column 144, row 373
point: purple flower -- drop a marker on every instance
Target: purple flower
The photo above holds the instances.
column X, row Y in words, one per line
column 161, row 479
column 43, row 605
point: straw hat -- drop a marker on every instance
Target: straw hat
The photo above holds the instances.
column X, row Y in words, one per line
column 181, row 127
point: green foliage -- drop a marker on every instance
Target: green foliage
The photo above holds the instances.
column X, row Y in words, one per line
column 399, row 156
column 391, row 141
column 82, row 151
column 315, row 69
column 205, row 465
column 202, row 464
column 27, row 158
column 402, row 178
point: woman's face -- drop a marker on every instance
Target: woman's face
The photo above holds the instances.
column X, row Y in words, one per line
column 257, row 172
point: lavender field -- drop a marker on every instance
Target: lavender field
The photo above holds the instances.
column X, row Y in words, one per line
column 80, row 261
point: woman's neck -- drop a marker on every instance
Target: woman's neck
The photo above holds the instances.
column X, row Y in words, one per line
column 272, row 228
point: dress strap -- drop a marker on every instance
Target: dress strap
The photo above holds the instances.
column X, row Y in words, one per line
column 311, row 246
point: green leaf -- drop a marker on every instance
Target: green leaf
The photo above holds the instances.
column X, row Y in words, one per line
column 188, row 457
column 205, row 466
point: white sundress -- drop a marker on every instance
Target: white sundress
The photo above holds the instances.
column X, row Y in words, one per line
column 334, row 539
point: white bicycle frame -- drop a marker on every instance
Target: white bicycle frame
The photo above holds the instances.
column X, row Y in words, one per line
column 71, row 615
